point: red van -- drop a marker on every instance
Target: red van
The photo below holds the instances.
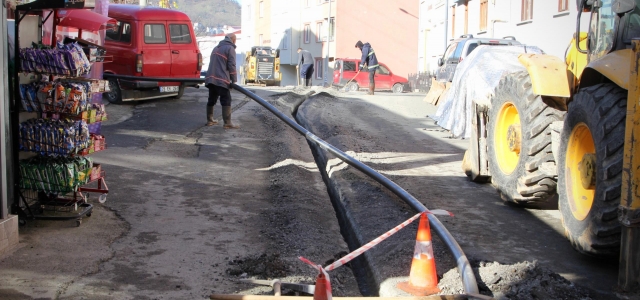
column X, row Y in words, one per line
column 347, row 68
column 150, row 42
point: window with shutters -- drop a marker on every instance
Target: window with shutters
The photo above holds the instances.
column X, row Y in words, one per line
column 563, row 5
column 466, row 16
column 332, row 28
column 307, row 33
column 453, row 21
column 484, row 14
column 319, row 32
column 318, row 67
column 527, row 10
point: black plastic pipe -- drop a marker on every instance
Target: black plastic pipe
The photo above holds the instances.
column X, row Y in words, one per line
column 464, row 268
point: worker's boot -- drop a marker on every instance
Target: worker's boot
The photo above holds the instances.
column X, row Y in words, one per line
column 226, row 116
column 308, row 82
column 372, row 87
column 210, row 120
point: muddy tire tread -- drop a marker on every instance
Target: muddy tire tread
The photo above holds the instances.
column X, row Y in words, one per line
column 526, row 184
column 599, row 233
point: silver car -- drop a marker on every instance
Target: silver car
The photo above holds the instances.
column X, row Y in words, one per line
column 460, row 48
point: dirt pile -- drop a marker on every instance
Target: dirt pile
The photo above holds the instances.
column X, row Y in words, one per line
column 524, row 280
column 264, row 265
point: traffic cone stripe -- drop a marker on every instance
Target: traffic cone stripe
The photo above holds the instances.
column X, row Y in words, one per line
column 423, row 248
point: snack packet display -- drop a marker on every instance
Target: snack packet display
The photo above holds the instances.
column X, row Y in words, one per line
column 53, row 137
column 54, row 175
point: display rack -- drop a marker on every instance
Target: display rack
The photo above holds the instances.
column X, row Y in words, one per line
column 53, row 179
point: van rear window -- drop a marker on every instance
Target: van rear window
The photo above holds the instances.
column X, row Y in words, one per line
column 180, row 34
column 155, row 34
column 120, row 33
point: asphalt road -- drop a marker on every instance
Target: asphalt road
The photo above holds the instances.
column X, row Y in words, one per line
column 188, row 203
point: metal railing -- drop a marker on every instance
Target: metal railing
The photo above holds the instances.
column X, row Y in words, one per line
column 420, row 81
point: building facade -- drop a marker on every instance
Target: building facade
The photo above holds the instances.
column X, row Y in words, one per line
column 550, row 24
column 330, row 29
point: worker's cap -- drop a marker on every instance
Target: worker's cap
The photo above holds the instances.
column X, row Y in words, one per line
column 359, row 44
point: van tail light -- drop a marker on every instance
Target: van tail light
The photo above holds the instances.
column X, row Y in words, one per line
column 139, row 63
column 277, row 67
column 199, row 61
column 252, row 66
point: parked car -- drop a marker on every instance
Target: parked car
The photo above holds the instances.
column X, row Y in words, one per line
column 460, row 48
column 150, row 42
column 346, row 69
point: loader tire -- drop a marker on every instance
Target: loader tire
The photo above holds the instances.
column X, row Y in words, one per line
column 519, row 142
column 595, row 123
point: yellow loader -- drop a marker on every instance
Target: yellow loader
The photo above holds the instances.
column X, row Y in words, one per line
column 559, row 128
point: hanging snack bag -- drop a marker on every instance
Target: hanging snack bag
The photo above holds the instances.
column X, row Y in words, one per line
column 23, row 98
column 31, row 97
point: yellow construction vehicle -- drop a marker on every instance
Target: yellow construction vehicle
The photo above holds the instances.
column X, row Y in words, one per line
column 559, row 128
column 167, row 4
column 262, row 66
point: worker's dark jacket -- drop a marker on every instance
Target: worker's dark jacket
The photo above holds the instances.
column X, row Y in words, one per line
column 305, row 58
column 368, row 57
column 222, row 64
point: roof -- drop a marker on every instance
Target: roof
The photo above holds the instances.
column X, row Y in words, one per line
column 128, row 11
column 84, row 19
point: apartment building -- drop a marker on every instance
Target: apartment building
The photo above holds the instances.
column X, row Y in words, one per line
column 548, row 24
column 329, row 29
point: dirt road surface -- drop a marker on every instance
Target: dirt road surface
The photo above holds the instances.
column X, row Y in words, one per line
column 193, row 209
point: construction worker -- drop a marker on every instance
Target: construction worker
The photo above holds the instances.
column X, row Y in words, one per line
column 221, row 73
column 371, row 61
column 305, row 65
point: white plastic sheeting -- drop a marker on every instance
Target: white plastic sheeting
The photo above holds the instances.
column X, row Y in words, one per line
column 475, row 79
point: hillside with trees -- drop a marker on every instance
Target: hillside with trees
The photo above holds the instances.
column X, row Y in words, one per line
column 210, row 13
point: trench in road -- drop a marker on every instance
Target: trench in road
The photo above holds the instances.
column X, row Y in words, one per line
column 464, row 268
column 361, row 268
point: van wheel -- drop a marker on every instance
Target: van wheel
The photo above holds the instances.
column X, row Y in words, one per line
column 351, row 87
column 115, row 95
column 398, row 88
column 180, row 92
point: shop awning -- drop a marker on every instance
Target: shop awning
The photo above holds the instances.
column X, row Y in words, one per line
column 84, row 19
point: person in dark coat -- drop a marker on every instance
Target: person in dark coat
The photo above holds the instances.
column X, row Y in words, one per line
column 371, row 61
column 305, row 65
column 221, row 73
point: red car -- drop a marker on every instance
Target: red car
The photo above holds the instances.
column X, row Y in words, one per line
column 347, row 68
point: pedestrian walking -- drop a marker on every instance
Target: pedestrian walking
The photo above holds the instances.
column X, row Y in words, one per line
column 220, row 75
column 371, row 61
column 305, row 65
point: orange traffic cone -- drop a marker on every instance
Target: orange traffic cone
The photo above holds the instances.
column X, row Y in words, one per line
column 320, row 292
column 423, row 279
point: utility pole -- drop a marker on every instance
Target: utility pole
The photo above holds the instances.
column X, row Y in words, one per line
column 326, row 63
